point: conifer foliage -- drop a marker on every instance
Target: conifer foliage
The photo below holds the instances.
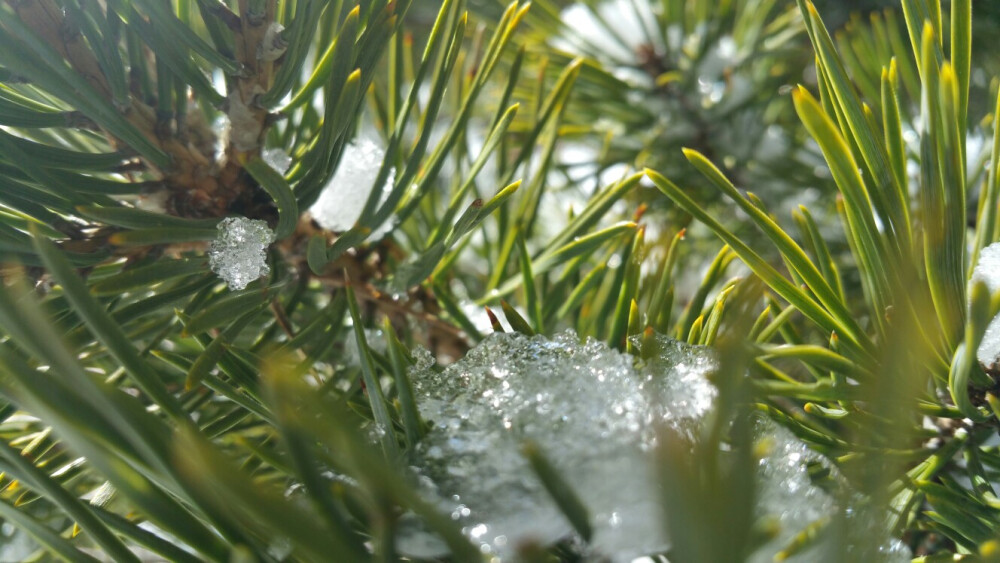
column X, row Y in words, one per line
column 295, row 280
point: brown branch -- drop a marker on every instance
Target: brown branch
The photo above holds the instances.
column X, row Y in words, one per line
column 46, row 19
column 259, row 74
column 282, row 319
column 221, row 11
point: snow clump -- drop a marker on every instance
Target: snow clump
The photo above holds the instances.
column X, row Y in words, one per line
column 238, row 254
column 590, row 411
column 595, row 415
column 988, row 271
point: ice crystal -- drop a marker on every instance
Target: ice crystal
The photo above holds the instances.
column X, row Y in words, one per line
column 785, row 492
column 988, row 267
column 680, row 394
column 787, row 495
column 989, row 349
column 340, row 203
column 588, row 408
column 239, row 252
column 593, row 413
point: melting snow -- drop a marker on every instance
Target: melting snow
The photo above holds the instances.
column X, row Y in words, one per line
column 988, row 268
column 340, row 203
column 586, row 406
column 988, row 271
column 239, row 252
column 593, row 414
column 277, row 159
column 787, row 494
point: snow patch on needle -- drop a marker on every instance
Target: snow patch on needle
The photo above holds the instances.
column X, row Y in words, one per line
column 988, row 271
column 340, row 203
